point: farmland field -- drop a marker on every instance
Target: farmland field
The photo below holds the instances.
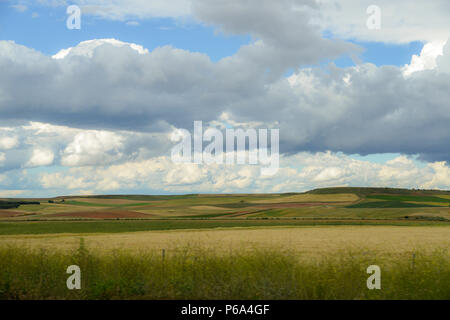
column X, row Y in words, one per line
column 345, row 203
column 306, row 240
column 323, row 236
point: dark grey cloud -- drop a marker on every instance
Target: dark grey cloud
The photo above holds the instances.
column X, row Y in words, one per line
column 287, row 38
column 115, row 87
column 377, row 110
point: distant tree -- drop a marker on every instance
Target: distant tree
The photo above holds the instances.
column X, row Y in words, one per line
column 8, row 205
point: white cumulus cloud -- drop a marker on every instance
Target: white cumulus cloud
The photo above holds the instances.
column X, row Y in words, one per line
column 40, row 157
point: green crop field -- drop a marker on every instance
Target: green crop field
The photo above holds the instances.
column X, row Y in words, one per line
column 58, row 227
column 409, row 198
column 389, row 204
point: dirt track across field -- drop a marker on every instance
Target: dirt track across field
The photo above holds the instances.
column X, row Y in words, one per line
column 294, row 205
column 103, row 214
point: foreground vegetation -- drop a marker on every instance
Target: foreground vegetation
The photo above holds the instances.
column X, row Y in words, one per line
column 201, row 274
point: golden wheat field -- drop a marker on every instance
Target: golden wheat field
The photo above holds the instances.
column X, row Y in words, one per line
column 307, row 241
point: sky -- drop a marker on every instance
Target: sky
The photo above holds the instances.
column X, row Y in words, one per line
column 359, row 94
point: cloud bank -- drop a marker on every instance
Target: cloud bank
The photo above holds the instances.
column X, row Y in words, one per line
column 98, row 116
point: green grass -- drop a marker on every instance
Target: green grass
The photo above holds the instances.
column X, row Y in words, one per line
column 145, row 197
column 273, row 213
column 33, row 207
column 368, row 191
column 200, row 274
column 116, row 226
column 332, row 212
column 233, row 205
column 389, row 204
column 112, row 205
column 409, row 198
column 202, row 216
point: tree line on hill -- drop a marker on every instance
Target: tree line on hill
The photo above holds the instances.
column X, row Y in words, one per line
column 15, row 204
